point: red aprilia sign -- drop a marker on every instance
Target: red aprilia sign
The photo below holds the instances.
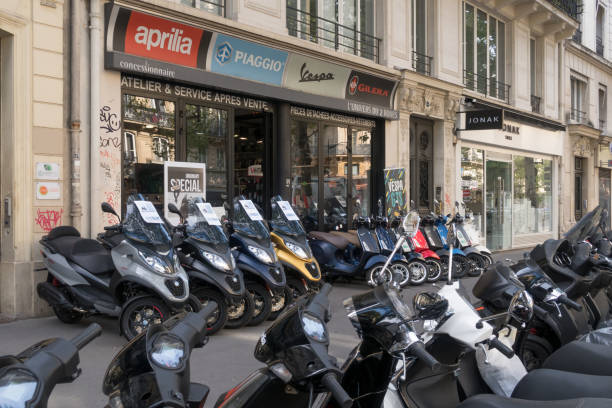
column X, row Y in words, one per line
column 163, row 40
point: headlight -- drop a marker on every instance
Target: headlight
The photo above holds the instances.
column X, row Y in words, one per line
column 296, row 249
column 314, row 327
column 260, row 254
column 156, row 263
column 168, row 351
column 216, row 261
column 17, row 387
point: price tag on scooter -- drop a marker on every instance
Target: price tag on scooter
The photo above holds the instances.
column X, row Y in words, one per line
column 288, row 210
column 148, row 212
column 462, row 239
column 406, row 247
column 209, row 214
column 251, row 210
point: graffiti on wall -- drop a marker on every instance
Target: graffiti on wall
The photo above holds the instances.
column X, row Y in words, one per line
column 110, row 159
column 47, row 219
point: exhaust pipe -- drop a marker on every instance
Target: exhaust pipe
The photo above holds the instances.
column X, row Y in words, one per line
column 53, row 295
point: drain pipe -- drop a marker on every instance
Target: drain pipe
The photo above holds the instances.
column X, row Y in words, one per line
column 94, row 72
column 76, row 211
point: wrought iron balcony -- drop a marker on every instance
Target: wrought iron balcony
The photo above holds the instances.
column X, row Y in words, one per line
column 486, row 85
column 331, row 34
column 421, row 63
column 578, row 116
column 599, row 45
column 535, row 104
column 571, row 7
column 212, row 6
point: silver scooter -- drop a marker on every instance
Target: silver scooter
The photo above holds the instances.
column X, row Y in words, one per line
column 138, row 278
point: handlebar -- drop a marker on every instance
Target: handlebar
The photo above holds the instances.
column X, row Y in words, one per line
column 86, row 336
column 569, row 303
column 501, row 347
column 116, row 227
column 331, row 384
column 418, row 350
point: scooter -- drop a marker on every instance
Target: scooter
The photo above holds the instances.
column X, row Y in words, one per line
column 469, row 241
column 27, row 379
column 140, row 280
column 153, row 370
column 206, row 256
column 291, row 246
column 344, row 255
column 418, row 244
column 255, row 256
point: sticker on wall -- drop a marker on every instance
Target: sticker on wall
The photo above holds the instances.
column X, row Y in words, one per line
column 47, row 171
column 48, row 191
column 182, row 180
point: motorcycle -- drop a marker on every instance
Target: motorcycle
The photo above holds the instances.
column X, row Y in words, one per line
column 255, row 256
column 153, row 369
column 291, row 245
column 206, row 256
column 27, row 379
column 140, row 279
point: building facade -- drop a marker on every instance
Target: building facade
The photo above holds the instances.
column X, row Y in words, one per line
column 476, row 99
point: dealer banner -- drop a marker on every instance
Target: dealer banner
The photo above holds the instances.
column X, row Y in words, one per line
column 395, row 192
column 182, row 180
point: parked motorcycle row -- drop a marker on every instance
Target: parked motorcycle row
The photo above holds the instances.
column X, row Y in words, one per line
column 435, row 350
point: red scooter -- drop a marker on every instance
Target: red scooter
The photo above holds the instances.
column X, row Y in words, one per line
column 418, row 244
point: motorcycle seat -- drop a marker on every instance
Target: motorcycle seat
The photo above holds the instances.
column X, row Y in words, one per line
column 545, row 384
column 582, row 357
column 92, row 256
column 495, row 401
column 350, row 236
column 337, row 241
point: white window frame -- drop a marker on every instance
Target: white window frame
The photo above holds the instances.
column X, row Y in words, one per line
column 130, row 153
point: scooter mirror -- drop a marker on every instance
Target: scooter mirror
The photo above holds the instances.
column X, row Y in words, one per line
column 411, row 223
column 521, row 306
column 429, row 305
column 173, row 209
column 107, row 208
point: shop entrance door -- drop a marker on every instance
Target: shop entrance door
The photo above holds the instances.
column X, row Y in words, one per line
column 421, row 164
column 499, row 204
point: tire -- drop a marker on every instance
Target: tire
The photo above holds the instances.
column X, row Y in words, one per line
column 479, row 264
column 434, row 269
column 288, row 299
column 372, row 277
column 262, row 303
column 193, row 304
column 67, row 316
column 458, row 266
column 295, row 287
column 533, row 351
column 239, row 313
column 140, row 313
column 488, row 259
column 418, row 271
column 219, row 317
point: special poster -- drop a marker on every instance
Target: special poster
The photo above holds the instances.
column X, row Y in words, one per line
column 182, row 179
column 395, row 192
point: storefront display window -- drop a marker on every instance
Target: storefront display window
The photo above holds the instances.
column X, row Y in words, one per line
column 604, row 190
column 335, row 157
column 362, row 159
column 472, row 184
column 149, row 132
column 304, row 171
column 532, row 206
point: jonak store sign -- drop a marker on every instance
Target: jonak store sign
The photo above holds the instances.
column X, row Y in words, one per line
column 484, row 119
column 143, row 44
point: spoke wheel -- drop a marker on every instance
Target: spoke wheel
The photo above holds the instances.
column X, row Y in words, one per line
column 142, row 313
column 418, row 272
column 434, row 269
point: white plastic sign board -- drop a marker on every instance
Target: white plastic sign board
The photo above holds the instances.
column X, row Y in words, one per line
column 209, row 214
column 47, row 171
column 251, row 210
column 182, row 180
column 148, row 212
column 48, row 191
column 288, row 210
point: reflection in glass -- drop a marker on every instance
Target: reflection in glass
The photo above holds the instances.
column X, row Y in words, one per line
column 304, row 172
column 472, row 184
column 499, row 204
column 334, row 158
column 532, row 207
column 148, row 125
column 362, row 163
column 604, row 190
column 481, row 51
column 206, row 136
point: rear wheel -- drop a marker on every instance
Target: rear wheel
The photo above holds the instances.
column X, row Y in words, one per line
column 418, row 271
column 139, row 314
column 479, row 264
column 218, row 318
column 280, row 300
column 434, row 269
column 67, row 316
column 459, row 265
column 239, row 312
column 262, row 303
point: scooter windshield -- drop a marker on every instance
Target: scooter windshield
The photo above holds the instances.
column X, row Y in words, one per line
column 248, row 223
column 202, row 223
column 143, row 224
column 284, row 220
column 586, row 226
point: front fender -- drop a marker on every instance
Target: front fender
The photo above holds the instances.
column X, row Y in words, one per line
column 200, row 273
column 376, row 259
column 471, row 250
column 483, row 249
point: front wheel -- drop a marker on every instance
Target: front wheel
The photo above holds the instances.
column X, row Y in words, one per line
column 141, row 313
column 239, row 312
column 280, row 300
column 434, row 269
column 218, row 318
column 296, row 287
column 459, row 265
column 479, row 264
column 262, row 302
column 418, row 271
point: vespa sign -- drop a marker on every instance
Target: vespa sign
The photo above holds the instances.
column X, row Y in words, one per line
column 484, row 119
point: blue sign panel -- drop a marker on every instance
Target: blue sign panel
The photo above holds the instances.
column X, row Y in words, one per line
column 244, row 59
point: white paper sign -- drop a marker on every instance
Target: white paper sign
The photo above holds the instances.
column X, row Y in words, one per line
column 209, row 214
column 251, row 210
column 47, row 171
column 288, row 210
column 148, row 212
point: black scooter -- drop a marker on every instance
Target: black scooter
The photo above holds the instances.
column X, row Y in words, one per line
column 27, row 379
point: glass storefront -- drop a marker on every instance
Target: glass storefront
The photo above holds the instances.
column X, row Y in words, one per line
column 604, row 190
column 508, row 195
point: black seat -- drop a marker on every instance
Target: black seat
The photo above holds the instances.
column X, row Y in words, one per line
column 545, row 384
column 495, row 401
column 63, row 244
column 582, row 357
column 92, row 256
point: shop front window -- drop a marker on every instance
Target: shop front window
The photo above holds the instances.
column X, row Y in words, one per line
column 304, row 172
column 532, row 206
column 362, row 163
column 604, row 191
column 149, row 129
column 498, row 200
column 335, row 182
column 206, row 139
column 472, row 185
